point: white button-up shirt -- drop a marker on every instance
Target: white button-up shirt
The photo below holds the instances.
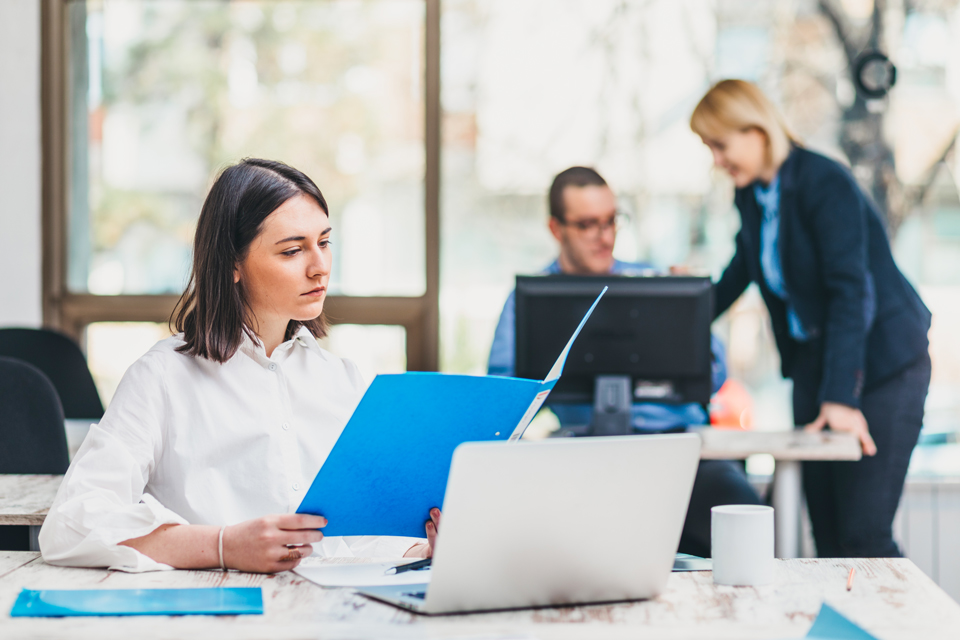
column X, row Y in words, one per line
column 190, row 441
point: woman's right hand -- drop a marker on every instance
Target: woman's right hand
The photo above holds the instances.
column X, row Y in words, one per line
column 840, row 417
column 272, row 543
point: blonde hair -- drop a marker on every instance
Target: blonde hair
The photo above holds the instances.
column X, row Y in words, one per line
column 738, row 105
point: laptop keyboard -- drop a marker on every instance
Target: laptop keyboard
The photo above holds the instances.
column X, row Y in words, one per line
column 416, row 594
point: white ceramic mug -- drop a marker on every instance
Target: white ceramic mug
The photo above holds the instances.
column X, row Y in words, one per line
column 741, row 537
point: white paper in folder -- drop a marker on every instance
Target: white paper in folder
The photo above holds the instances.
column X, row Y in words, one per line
column 358, row 574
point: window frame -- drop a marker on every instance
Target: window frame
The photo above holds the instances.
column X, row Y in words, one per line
column 71, row 312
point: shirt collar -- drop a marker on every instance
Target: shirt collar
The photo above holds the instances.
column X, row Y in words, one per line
column 619, row 268
column 766, row 190
column 306, row 339
column 253, row 347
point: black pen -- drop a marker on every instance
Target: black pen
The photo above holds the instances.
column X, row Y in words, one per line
column 410, row 566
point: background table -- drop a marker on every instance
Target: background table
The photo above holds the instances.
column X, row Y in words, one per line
column 891, row 598
column 25, row 500
column 789, row 449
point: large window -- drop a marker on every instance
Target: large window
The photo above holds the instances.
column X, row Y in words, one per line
column 160, row 94
column 531, row 88
column 145, row 99
column 173, row 90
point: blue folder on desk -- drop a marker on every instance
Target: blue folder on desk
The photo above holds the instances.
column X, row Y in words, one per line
column 833, row 625
column 137, row 602
column 390, row 465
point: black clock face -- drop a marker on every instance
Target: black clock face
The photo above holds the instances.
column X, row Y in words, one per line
column 874, row 75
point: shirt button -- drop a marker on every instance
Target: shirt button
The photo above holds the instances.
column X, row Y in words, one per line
column 285, row 426
column 273, row 366
column 296, row 486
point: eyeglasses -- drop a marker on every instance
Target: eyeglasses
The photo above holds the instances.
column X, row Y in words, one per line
column 596, row 227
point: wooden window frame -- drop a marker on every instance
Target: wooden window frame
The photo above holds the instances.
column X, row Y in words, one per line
column 72, row 312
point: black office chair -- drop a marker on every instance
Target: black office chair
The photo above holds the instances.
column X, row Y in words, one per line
column 61, row 360
column 32, row 438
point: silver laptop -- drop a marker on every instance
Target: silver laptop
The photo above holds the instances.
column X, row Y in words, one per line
column 556, row 522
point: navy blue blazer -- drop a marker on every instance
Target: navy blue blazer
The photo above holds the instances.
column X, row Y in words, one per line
column 839, row 275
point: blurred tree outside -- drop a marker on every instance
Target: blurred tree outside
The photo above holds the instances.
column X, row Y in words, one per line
column 531, row 89
column 179, row 89
column 863, row 135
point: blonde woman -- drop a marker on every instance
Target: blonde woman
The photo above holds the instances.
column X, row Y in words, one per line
column 851, row 331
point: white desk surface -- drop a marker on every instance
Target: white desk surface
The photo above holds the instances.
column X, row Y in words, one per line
column 736, row 444
column 25, row 499
column 890, row 597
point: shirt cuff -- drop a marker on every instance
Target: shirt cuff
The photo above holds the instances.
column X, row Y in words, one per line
column 71, row 536
column 132, row 561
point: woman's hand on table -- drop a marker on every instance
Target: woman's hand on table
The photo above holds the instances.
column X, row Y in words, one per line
column 840, row 417
column 425, row 549
column 272, row 543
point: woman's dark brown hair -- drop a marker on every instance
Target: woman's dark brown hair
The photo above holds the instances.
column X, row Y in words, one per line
column 213, row 313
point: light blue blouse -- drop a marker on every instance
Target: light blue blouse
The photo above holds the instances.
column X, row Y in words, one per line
column 768, row 197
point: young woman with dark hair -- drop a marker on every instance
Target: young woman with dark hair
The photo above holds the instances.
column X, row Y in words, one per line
column 215, row 434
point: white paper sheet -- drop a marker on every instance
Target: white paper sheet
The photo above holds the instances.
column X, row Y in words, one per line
column 359, row 574
column 558, row 365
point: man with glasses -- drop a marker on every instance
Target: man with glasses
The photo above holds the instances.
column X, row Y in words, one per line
column 584, row 221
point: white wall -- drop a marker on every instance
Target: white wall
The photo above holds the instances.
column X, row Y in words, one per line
column 926, row 527
column 20, row 244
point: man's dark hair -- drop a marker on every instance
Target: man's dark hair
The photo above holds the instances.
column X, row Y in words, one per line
column 572, row 177
column 213, row 313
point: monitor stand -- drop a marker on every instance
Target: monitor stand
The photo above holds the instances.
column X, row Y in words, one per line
column 612, row 404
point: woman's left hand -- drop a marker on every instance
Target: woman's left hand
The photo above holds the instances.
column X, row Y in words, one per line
column 425, row 549
column 840, row 417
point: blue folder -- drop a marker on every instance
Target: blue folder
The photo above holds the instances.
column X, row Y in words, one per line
column 138, row 602
column 832, row 625
column 389, row 466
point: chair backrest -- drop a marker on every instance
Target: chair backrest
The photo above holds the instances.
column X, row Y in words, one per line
column 62, row 361
column 32, row 436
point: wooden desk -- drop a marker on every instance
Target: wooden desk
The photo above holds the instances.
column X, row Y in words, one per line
column 788, row 448
column 890, row 598
column 25, row 499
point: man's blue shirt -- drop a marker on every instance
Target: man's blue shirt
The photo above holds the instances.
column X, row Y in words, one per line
column 647, row 416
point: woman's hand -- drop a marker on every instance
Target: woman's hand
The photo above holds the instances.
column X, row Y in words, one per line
column 840, row 417
column 425, row 549
column 272, row 543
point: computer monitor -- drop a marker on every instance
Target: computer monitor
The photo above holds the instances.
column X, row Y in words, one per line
column 648, row 339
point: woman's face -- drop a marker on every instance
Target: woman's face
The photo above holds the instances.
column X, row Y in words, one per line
column 742, row 154
column 287, row 267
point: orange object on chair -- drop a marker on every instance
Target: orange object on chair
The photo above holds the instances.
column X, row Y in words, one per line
column 731, row 407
